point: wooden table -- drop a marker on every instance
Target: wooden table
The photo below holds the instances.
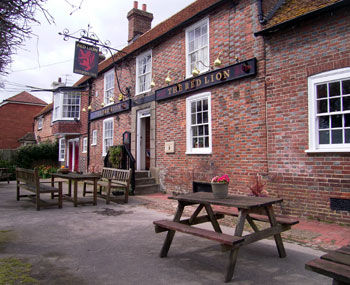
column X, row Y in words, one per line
column 246, row 205
column 75, row 178
column 335, row 264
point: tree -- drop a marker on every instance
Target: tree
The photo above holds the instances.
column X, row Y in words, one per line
column 16, row 18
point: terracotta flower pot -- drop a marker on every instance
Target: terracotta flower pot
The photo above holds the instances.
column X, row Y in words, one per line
column 220, row 190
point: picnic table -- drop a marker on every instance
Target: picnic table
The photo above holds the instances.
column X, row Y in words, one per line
column 334, row 264
column 247, row 207
column 75, row 178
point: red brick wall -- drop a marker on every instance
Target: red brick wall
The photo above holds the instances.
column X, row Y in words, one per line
column 45, row 133
column 16, row 120
column 306, row 181
column 238, row 108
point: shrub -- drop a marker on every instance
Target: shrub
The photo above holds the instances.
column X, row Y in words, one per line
column 30, row 155
column 10, row 166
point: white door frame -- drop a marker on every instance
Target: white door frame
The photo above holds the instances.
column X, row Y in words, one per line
column 74, row 141
column 141, row 138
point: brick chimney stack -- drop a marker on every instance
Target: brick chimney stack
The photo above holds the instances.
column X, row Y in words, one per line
column 139, row 21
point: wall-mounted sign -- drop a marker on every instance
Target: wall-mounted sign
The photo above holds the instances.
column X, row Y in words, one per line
column 86, row 59
column 110, row 110
column 219, row 76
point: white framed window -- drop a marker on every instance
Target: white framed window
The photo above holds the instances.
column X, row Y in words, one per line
column 85, row 145
column 94, row 137
column 40, row 123
column 197, row 47
column 329, row 111
column 108, row 87
column 66, row 106
column 198, row 124
column 107, row 135
column 143, row 72
column 62, row 149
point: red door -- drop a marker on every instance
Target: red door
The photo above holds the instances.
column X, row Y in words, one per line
column 73, row 155
column 76, row 157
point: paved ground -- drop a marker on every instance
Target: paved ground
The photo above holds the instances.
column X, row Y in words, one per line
column 116, row 244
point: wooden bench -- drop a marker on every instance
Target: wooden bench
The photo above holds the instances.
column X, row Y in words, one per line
column 335, row 264
column 283, row 220
column 112, row 178
column 4, row 174
column 228, row 240
column 29, row 180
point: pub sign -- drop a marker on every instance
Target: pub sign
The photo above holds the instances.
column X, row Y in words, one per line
column 86, row 59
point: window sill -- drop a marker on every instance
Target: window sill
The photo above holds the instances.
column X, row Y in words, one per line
column 93, row 144
column 200, row 153
column 143, row 92
column 327, row 150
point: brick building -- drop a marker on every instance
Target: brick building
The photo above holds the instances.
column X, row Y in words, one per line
column 17, row 116
column 228, row 87
column 43, row 125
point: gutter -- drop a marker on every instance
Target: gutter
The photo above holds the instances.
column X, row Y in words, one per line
column 303, row 17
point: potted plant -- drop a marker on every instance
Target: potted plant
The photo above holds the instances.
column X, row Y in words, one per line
column 257, row 187
column 219, row 186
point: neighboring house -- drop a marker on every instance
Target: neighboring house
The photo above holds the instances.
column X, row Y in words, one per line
column 43, row 125
column 17, row 114
column 243, row 88
column 307, row 46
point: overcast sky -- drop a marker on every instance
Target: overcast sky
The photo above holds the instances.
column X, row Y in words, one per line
column 46, row 57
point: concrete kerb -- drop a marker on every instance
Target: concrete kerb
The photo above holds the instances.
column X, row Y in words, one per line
column 116, row 244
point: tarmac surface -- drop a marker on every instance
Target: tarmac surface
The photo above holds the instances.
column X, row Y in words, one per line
column 116, row 244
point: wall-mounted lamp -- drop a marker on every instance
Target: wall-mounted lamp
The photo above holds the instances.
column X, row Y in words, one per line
column 168, row 79
column 89, row 107
column 152, row 83
column 195, row 71
column 111, row 99
column 217, row 61
column 121, row 97
column 84, row 110
column 102, row 104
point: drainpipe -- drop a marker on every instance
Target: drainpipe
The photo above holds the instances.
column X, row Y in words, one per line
column 261, row 18
column 88, row 130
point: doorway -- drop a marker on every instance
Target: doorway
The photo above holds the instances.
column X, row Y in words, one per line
column 143, row 140
column 73, row 155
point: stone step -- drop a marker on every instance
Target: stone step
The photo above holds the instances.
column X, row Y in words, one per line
column 142, row 174
column 147, row 189
column 145, row 181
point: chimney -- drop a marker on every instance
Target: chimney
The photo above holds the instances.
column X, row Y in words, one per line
column 139, row 21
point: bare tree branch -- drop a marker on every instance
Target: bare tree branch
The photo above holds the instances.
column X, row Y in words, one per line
column 16, row 19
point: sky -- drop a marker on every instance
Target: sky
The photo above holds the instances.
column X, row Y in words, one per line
column 46, row 56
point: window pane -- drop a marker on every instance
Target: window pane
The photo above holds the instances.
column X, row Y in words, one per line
column 334, row 105
column 337, row 121
column 206, row 130
column 201, row 142
column 324, row 137
column 205, row 105
column 346, row 87
column 346, row 103
column 206, row 141
column 334, row 89
column 199, row 106
column 347, row 120
column 321, row 91
column 199, row 118
column 194, row 143
column 205, row 117
column 337, row 136
column 193, row 119
column 194, row 131
column 323, row 122
column 200, row 130
column 322, row 106
column 347, row 136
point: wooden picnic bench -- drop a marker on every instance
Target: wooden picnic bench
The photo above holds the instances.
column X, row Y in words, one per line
column 4, row 174
column 112, row 178
column 335, row 264
column 249, row 209
column 29, row 180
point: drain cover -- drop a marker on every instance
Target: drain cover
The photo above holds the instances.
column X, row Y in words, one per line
column 111, row 212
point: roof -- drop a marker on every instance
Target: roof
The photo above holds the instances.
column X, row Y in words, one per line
column 186, row 14
column 295, row 9
column 25, row 97
column 28, row 137
column 45, row 110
